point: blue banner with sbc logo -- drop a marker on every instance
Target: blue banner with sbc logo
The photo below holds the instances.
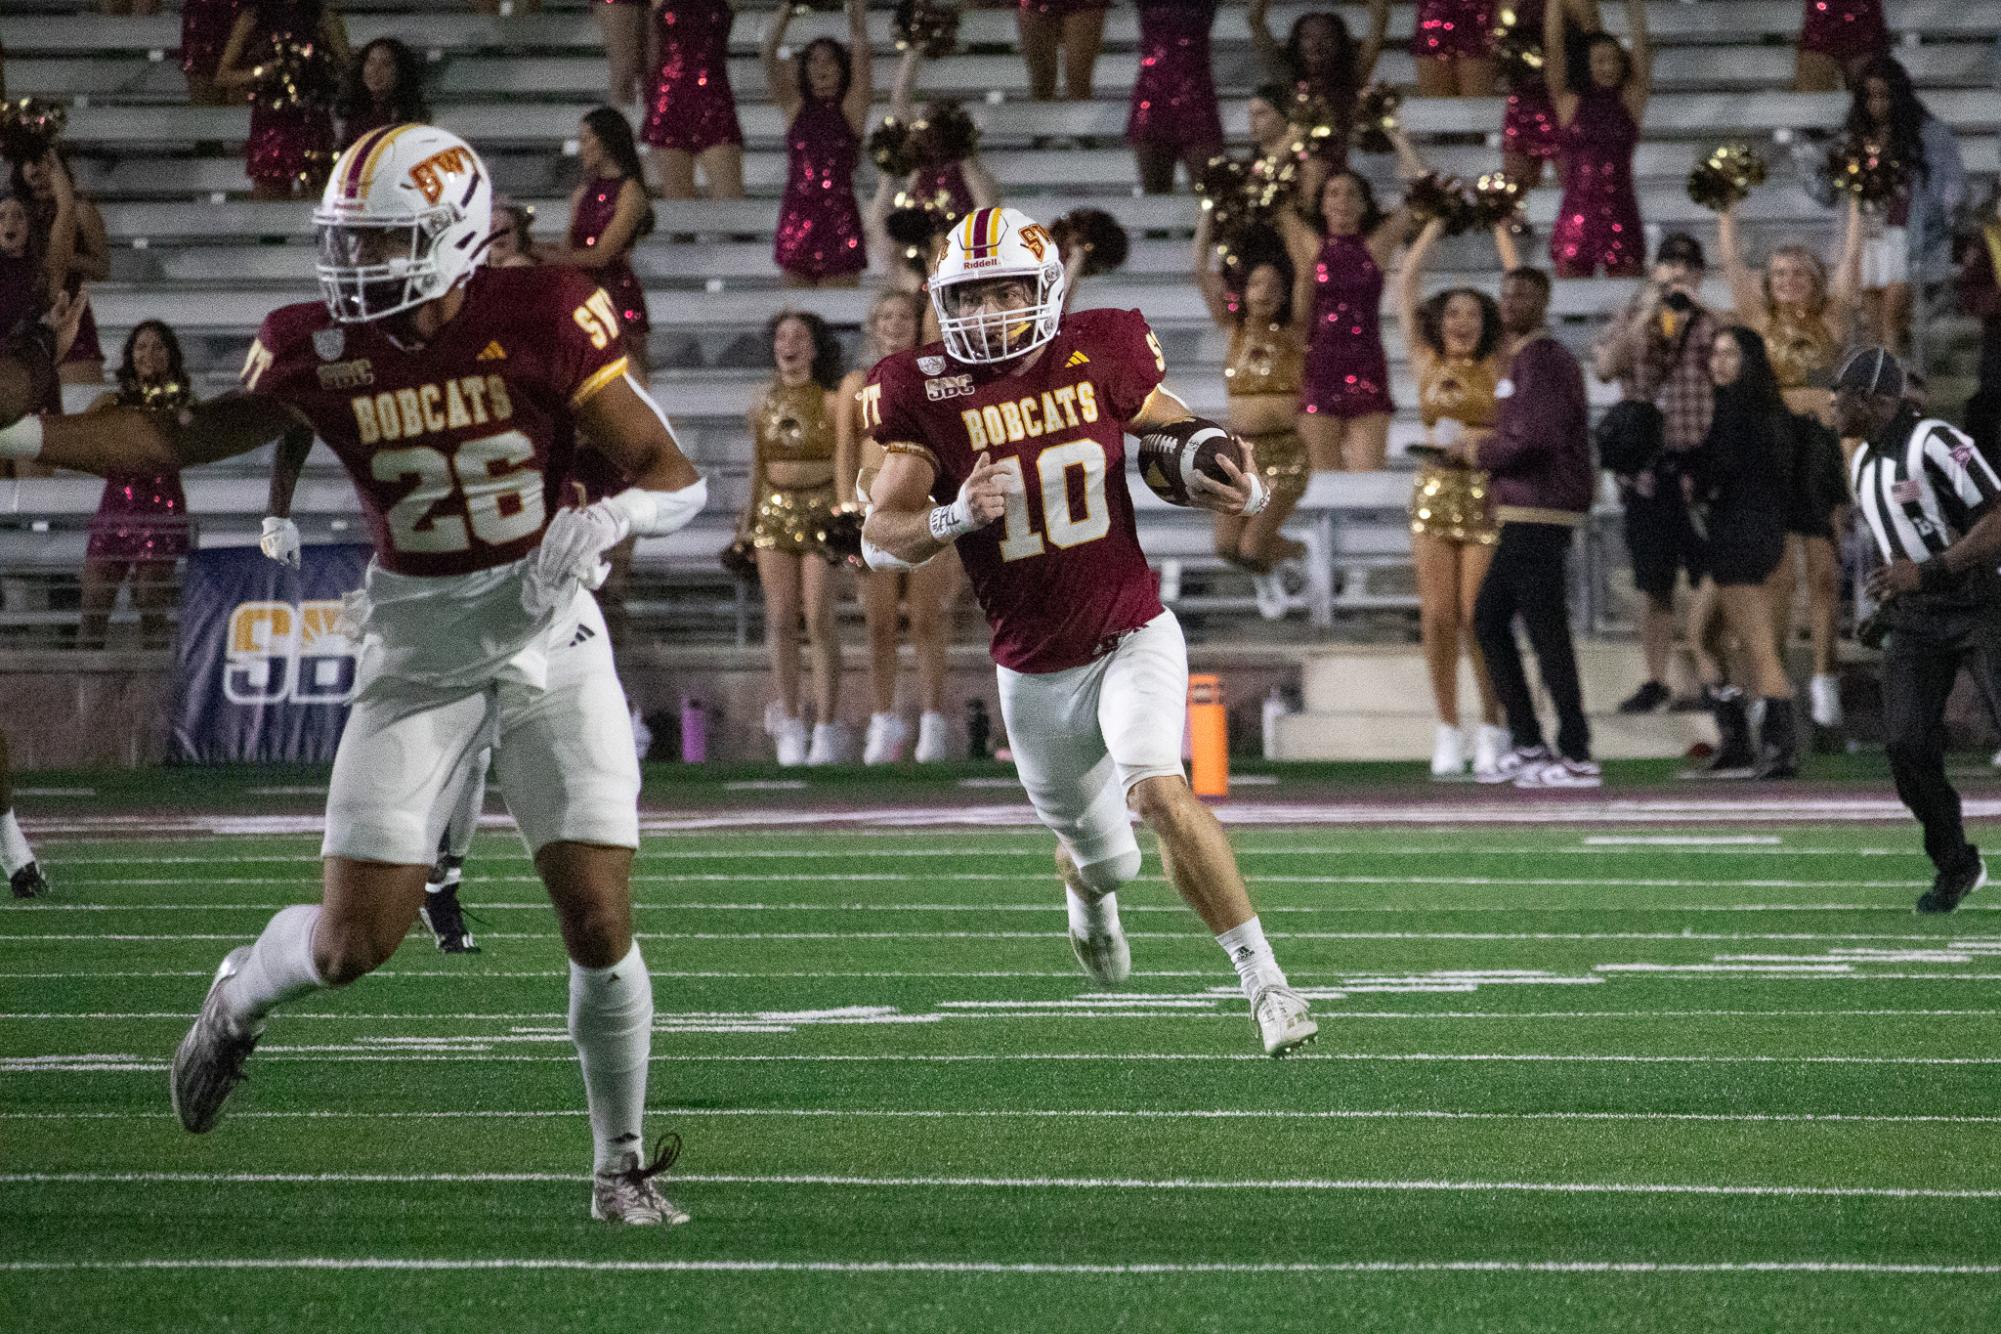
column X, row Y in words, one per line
column 266, row 674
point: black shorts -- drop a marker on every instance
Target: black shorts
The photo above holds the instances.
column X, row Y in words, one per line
column 1734, row 563
column 1661, row 540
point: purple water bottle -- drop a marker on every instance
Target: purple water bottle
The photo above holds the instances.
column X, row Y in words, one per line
column 694, row 732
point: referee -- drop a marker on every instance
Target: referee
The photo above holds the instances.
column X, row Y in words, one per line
column 1934, row 507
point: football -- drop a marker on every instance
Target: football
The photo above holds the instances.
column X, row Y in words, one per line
column 1170, row 457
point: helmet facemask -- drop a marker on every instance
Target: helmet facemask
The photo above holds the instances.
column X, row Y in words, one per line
column 373, row 267
column 980, row 330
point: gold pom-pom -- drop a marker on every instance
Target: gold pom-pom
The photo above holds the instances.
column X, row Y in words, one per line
column 891, row 148
column 1725, row 176
column 739, row 558
column 944, row 134
column 915, row 225
column 1103, row 241
column 1376, row 118
column 29, row 127
column 297, row 74
column 1517, row 50
column 931, row 26
column 1315, row 121
column 844, row 537
column 165, row 396
column 1498, row 201
column 1444, row 198
column 1865, row 169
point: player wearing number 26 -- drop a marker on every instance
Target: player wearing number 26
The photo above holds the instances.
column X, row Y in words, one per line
column 1008, row 440
column 454, row 396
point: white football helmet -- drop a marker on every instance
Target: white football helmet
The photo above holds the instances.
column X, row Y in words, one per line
column 992, row 243
column 405, row 217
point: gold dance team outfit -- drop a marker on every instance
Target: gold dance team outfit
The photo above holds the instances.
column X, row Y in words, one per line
column 1271, row 360
column 792, row 426
column 1801, row 349
column 1450, row 502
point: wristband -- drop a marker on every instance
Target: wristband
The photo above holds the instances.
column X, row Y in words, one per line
column 23, row 440
column 658, row 513
column 1259, row 496
column 1934, row 576
column 953, row 521
column 878, row 559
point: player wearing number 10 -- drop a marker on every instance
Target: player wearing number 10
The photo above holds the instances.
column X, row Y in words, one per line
column 1008, row 440
column 454, row 395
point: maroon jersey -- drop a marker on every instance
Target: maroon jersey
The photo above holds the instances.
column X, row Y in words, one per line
column 1061, row 575
column 458, row 448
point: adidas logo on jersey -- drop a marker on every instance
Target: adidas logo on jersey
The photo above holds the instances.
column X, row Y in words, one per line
column 1077, row 359
column 583, row 636
column 493, row 352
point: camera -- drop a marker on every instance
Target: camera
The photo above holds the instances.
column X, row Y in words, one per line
column 1679, row 302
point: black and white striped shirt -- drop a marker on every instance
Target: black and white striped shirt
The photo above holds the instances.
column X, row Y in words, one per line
column 1920, row 486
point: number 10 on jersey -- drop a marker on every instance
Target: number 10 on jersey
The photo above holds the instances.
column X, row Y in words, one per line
column 1062, row 525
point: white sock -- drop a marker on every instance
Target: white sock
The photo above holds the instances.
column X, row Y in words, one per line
column 611, row 1021
column 14, row 850
column 1251, row 953
column 280, row 967
column 1092, row 917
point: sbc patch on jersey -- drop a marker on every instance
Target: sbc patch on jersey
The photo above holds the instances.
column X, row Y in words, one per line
column 941, row 387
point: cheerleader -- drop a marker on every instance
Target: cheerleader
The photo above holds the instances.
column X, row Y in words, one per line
column 609, row 214
column 691, row 116
column 141, row 527
column 1173, row 117
column 42, row 182
column 928, row 593
column 1264, row 370
column 1345, row 402
column 31, row 274
column 622, row 24
column 824, row 95
column 794, row 488
column 1454, row 340
column 1322, row 64
column 1528, row 124
column 1838, row 37
column 384, row 86
column 284, row 53
column 958, row 185
column 1805, row 319
column 1598, row 127
column 1075, row 29
column 205, row 28
column 1452, row 42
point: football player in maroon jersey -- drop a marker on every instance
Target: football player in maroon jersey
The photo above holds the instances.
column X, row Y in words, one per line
column 1007, row 440
column 454, row 395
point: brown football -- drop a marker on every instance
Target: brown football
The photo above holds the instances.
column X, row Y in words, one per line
column 1170, row 457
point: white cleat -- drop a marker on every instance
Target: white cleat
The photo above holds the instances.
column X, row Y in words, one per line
column 1105, row 956
column 934, row 739
column 1824, row 696
column 886, row 735
column 1282, row 1020
column 208, row 1065
column 627, row 1194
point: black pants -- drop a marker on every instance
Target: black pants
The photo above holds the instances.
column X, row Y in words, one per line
column 1528, row 579
column 1921, row 662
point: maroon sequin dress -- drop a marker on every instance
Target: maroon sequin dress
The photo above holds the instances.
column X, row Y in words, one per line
column 142, row 517
column 205, row 26
column 1174, row 97
column 1347, row 374
column 1452, row 29
column 292, row 141
column 819, row 222
column 593, row 215
column 1598, row 218
column 87, row 347
column 948, row 181
column 1528, row 127
column 1844, row 30
column 691, row 106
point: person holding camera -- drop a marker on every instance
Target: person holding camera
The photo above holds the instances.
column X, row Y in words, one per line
column 1933, row 506
column 1658, row 349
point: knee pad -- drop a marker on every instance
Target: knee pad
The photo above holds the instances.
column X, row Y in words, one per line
column 1105, row 877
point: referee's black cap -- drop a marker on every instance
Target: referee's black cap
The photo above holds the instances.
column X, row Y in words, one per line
column 1874, row 372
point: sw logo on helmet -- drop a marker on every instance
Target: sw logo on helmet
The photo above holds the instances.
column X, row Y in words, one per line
column 430, row 174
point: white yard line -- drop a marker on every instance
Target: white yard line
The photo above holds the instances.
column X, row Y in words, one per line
column 868, row 845
column 913, row 1182
column 1389, row 879
column 998, row 1268
column 1130, row 1005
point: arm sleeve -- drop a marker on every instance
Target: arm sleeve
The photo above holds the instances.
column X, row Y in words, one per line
column 1135, row 364
column 1957, row 468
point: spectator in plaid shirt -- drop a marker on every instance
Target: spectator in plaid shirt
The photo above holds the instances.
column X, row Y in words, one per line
column 1658, row 350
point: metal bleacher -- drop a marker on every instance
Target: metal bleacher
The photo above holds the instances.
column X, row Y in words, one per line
column 190, row 247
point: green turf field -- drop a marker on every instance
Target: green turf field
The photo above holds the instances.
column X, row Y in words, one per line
column 1562, row 1083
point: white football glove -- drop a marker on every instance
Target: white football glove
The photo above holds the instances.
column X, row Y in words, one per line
column 280, row 541
column 571, row 556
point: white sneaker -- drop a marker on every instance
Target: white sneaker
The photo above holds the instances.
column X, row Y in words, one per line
column 830, row 744
column 1282, row 1020
column 1269, row 590
column 886, row 735
column 1448, row 752
column 1513, row 764
column 789, row 735
column 1824, row 693
column 1561, row 772
column 934, row 739
column 627, row 1193
column 1106, row 957
column 1489, row 745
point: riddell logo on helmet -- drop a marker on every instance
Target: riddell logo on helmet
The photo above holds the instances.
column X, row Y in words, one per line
column 430, row 173
column 981, row 263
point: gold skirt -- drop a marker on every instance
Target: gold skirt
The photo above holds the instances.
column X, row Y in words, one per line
column 793, row 520
column 1281, row 457
column 1451, row 503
